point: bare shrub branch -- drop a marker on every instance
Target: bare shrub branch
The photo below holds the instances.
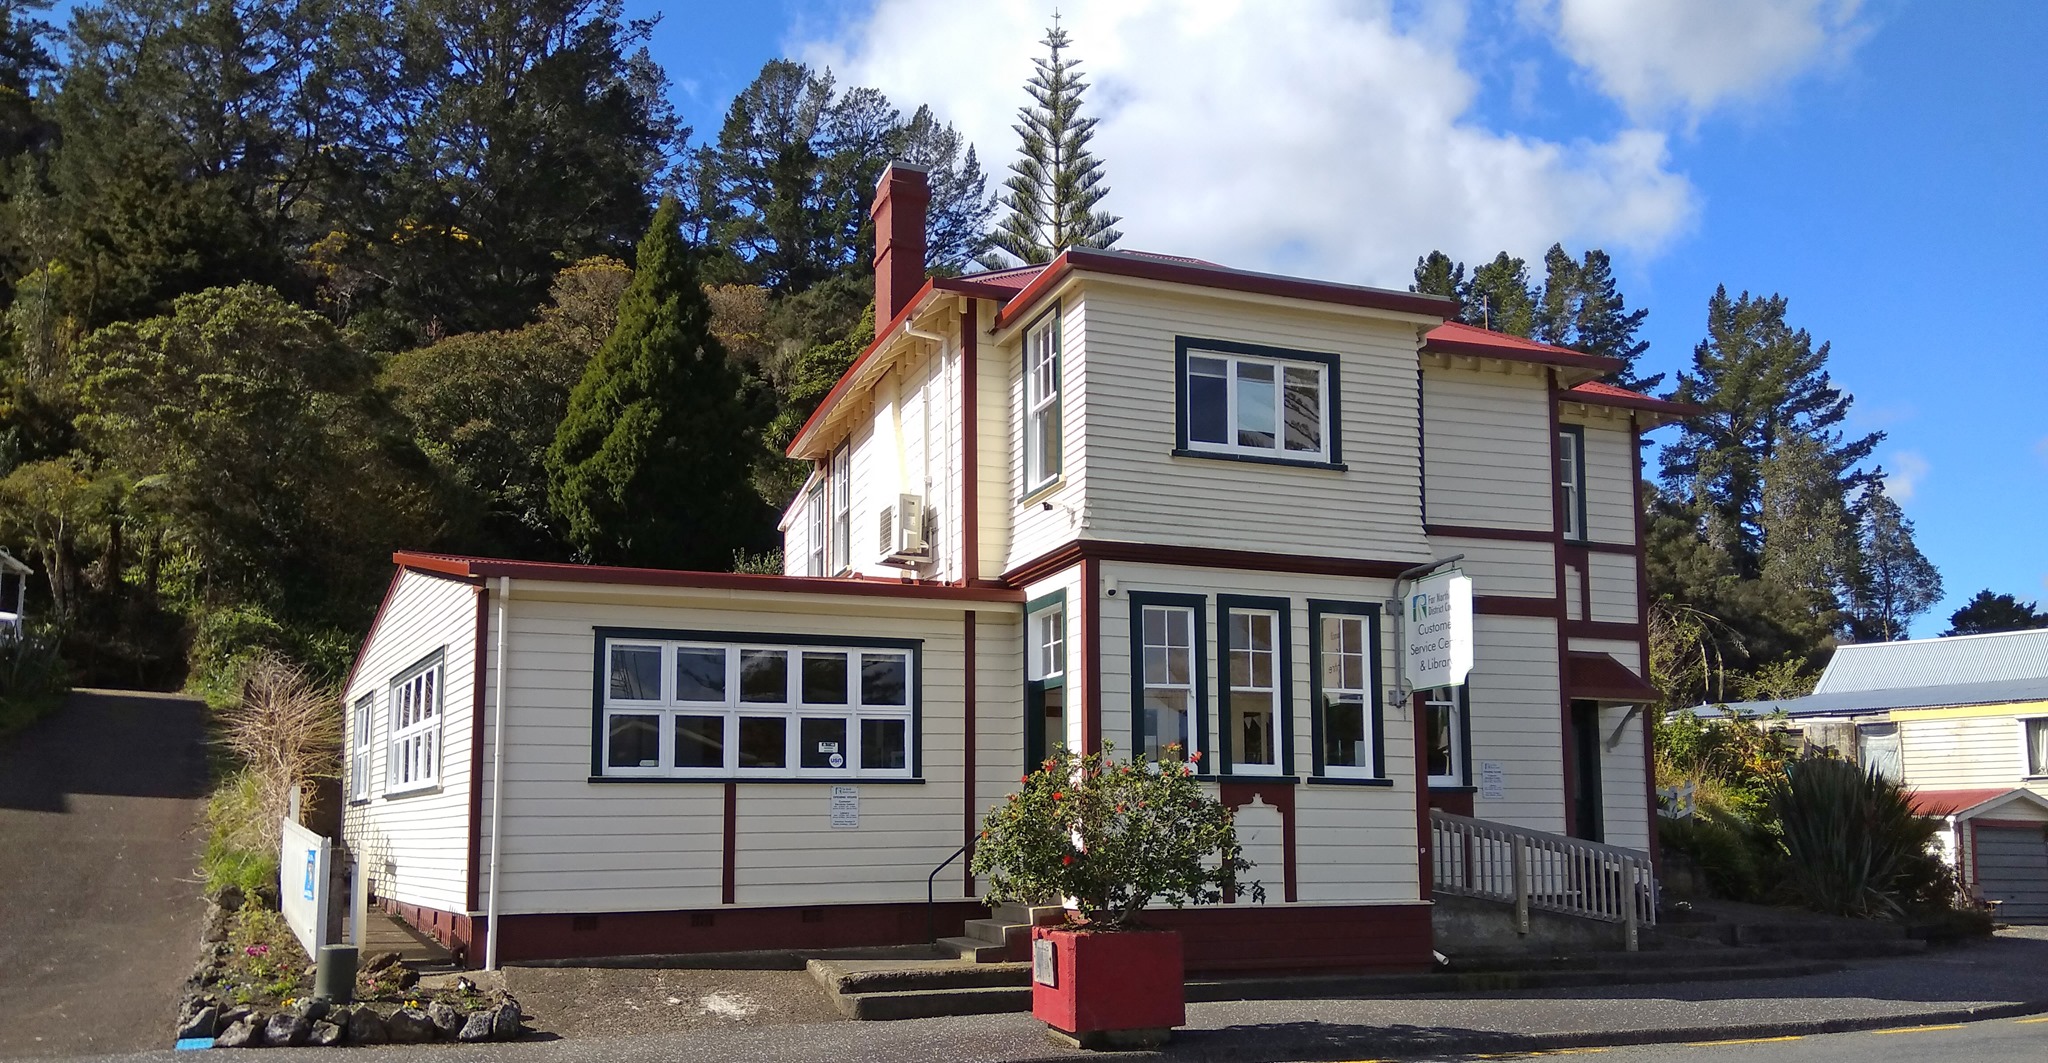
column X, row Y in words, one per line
column 285, row 730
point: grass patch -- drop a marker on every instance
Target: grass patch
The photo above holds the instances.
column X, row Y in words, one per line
column 238, row 850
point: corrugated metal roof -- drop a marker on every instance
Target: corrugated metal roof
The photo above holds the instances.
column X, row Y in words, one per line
column 2005, row 656
column 1848, row 703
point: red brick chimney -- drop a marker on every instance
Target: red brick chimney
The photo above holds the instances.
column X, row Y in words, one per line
column 900, row 201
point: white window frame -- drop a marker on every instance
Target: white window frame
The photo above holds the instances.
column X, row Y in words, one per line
column 1571, row 479
column 1281, row 367
column 1332, row 664
column 1193, row 686
column 1460, row 766
column 1270, row 694
column 1048, row 643
column 1043, row 388
column 412, row 746
column 2031, row 766
column 816, row 527
column 841, row 494
column 791, row 708
column 362, row 724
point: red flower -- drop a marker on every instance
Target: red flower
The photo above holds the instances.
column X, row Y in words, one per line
column 1067, row 859
column 1196, row 757
column 1059, row 795
column 1119, row 806
column 1025, row 779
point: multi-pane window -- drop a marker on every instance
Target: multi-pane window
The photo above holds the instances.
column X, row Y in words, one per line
column 690, row 708
column 1168, row 677
column 1042, row 403
column 842, row 510
column 817, row 528
column 359, row 725
column 1261, row 407
column 1444, row 727
column 1344, row 654
column 1045, row 651
column 1048, row 643
column 412, row 757
column 1253, row 667
column 2035, row 733
column 1571, row 480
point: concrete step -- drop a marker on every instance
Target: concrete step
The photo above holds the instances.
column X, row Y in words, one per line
column 929, row 1004
column 1647, row 960
column 1849, row 950
column 974, row 949
column 998, row 932
column 1029, row 914
column 943, row 974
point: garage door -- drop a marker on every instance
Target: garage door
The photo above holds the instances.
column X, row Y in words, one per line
column 2012, row 867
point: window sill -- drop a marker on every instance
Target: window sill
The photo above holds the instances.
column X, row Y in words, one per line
column 1338, row 780
column 840, row 780
column 358, row 802
column 1254, row 459
column 1451, row 788
column 1043, row 491
column 1234, row 776
column 417, row 791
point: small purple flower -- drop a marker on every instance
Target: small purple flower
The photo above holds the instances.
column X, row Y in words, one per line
column 258, row 950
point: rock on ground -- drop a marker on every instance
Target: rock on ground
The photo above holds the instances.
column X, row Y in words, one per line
column 481, row 1026
column 286, row 1029
column 242, row 1033
column 448, row 1019
column 201, row 1023
column 366, row 1027
column 324, row 1034
column 409, row 1026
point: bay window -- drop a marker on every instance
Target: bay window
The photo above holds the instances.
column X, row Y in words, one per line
column 689, row 705
column 1243, row 401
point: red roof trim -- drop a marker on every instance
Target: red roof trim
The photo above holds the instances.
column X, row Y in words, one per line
column 1600, row 677
column 1173, row 271
column 846, row 379
column 1454, row 338
column 1604, row 394
column 1950, row 802
column 485, row 568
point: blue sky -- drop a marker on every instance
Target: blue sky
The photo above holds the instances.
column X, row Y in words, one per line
column 1890, row 186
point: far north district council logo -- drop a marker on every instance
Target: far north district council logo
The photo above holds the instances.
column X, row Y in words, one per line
column 1418, row 608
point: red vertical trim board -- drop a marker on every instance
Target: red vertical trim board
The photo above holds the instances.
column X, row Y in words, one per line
column 967, row 768
column 476, row 747
column 1564, row 692
column 1650, row 713
column 1091, row 641
column 1237, row 794
column 730, row 886
column 1424, row 857
column 970, row 442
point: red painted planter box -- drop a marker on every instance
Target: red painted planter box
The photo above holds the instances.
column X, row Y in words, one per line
column 1103, row 982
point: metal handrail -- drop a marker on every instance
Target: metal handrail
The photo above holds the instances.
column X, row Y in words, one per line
column 1533, row 869
column 931, row 932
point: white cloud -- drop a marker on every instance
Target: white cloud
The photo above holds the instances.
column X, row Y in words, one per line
column 1904, row 471
column 1656, row 56
column 1315, row 137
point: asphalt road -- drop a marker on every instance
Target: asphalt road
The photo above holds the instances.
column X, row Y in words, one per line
column 99, row 903
column 1998, row 1041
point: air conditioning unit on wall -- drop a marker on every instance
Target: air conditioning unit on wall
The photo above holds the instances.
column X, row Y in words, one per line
column 903, row 534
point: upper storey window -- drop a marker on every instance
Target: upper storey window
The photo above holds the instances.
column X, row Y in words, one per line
column 1571, row 478
column 1042, row 402
column 1262, row 404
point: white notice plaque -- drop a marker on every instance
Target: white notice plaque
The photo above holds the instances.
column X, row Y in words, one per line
column 1493, row 780
column 846, row 808
column 1437, row 630
column 1043, row 970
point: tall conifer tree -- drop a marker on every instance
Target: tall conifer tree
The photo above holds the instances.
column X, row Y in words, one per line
column 1056, row 183
column 651, row 464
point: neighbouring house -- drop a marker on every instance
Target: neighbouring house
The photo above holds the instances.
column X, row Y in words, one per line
column 1120, row 499
column 1963, row 722
column 14, row 576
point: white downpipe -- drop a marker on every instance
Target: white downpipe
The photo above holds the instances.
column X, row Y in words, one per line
column 497, row 776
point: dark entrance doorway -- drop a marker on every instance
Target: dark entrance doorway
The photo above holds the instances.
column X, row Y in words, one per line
column 1585, row 744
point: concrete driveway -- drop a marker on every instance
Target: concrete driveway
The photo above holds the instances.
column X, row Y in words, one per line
column 100, row 903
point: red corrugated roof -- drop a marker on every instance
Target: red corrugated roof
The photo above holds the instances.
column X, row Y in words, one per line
column 478, row 569
column 1599, row 677
column 1606, row 394
column 1454, row 338
column 1950, row 802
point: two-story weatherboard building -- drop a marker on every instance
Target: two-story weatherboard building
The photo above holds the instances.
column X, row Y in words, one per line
column 1118, row 500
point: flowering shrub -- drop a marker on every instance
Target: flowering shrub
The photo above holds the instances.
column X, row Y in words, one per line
column 1114, row 836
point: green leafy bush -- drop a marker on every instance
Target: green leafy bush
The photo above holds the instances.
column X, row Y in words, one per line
column 33, row 676
column 239, row 851
column 1114, row 836
column 1733, row 763
column 1852, row 844
column 1733, row 855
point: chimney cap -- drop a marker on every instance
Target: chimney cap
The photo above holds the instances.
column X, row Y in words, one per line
column 898, row 164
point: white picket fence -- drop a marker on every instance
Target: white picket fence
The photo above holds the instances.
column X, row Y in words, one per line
column 1533, row 869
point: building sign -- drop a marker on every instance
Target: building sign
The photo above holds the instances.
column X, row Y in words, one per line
column 1437, row 630
column 1493, row 780
column 846, row 808
column 1044, row 963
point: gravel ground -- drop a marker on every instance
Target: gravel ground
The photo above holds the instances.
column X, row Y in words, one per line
column 601, row 1002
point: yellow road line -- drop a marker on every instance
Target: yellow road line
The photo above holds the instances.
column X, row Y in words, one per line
column 1742, row 1041
column 1922, row 1029
column 2038, row 1018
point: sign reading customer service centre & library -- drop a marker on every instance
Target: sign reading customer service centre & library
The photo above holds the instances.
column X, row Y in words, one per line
column 1437, row 631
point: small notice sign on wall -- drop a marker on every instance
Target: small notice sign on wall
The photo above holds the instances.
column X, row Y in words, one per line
column 1493, row 780
column 845, row 808
column 1043, row 970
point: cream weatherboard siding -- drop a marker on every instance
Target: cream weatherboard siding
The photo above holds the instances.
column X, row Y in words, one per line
column 1503, row 567
column 1353, row 844
column 1517, row 719
column 573, row 845
column 416, row 845
column 1050, row 515
column 1967, row 748
column 1613, row 580
column 1487, row 448
column 995, row 375
column 1137, row 490
column 1610, row 479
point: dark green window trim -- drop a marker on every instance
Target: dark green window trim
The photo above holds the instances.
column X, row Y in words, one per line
column 1283, row 764
column 1375, row 706
column 1056, row 464
column 603, row 636
column 1578, row 433
column 1034, row 689
column 1199, row 710
column 1464, row 765
column 1331, row 401
column 647, row 780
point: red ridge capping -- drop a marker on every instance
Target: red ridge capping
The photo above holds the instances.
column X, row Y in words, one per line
column 1452, row 337
column 1601, row 393
column 461, row 567
column 1597, row 676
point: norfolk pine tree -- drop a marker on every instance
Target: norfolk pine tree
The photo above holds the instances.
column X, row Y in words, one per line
column 651, row 465
column 1056, row 182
